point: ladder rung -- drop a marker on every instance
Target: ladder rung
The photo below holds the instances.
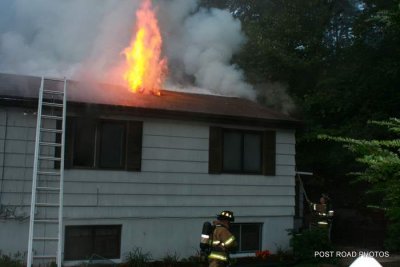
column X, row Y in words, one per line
column 42, row 238
column 50, row 144
column 51, row 130
column 53, row 92
column 43, row 188
column 49, row 173
column 47, row 204
column 53, row 104
column 54, row 79
column 46, row 221
column 50, row 158
column 52, row 117
column 44, row 256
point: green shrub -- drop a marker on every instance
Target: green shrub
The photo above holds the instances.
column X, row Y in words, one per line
column 392, row 241
column 306, row 243
column 16, row 260
column 137, row 258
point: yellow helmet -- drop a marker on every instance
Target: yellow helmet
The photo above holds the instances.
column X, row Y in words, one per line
column 226, row 215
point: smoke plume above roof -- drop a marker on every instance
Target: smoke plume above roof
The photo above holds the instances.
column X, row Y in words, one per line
column 80, row 39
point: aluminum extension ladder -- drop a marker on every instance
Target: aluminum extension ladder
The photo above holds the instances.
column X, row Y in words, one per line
column 46, row 215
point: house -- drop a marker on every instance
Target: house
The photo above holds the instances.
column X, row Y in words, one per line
column 145, row 171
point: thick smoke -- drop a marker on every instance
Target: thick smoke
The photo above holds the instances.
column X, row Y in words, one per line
column 84, row 39
column 61, row 38
column 200, row 44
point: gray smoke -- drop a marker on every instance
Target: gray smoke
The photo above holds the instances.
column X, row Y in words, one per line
column 78, row 38
column 274, row 95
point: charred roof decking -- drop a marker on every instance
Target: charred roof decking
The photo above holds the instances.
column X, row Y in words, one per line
column 18, row 88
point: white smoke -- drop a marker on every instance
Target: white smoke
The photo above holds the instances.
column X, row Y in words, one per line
column 75, row 37
column 201, row 43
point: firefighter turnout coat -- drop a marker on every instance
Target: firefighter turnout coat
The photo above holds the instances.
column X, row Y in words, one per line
column 223, row 241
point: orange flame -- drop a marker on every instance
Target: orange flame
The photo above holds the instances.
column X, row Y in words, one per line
column 145, row 70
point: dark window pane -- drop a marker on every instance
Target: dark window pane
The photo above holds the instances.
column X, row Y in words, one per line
column 235, row 230
column 105, row 242
column 134, row 135
column 84, row 141
column 250, row 240
column 252, row 152
column 81, row 242
column 232, row 151
column 248, row 236
column 112, row 147
column 78, row 243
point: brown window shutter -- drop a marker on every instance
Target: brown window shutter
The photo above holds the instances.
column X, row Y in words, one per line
column 215, row 150
column 69, row 142
column 134, row 146
column 269, row 151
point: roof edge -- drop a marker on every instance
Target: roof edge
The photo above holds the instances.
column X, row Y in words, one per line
column 93, row 108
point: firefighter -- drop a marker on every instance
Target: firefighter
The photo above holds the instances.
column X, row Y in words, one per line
column 322, row 214
column 223, row 241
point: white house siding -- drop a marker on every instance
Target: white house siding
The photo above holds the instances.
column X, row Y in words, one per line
column 162, row 208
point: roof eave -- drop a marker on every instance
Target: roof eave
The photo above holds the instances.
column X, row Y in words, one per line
column 93, row 108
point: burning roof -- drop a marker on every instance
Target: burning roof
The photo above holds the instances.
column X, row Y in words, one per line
column 192, row 105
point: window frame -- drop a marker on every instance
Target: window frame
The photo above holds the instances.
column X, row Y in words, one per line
column 239, row 238
column 131, row 129
column 215, row 147
column 92, row 240
column 242, row 150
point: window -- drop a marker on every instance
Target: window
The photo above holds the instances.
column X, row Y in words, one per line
column 84, row 143
column 103, row 144
column 81, row 242
column 241, row 151
column 248, row 236
column 112, row 145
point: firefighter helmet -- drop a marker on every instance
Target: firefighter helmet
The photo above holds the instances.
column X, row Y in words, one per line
column 226, row 215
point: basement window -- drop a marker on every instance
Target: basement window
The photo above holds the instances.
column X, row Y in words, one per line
column 84, row 241
column 248, row 236
column 103, row 144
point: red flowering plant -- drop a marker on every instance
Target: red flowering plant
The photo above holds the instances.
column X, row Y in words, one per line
column 263, row 254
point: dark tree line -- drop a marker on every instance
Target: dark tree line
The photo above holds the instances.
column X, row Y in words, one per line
column 339, row 61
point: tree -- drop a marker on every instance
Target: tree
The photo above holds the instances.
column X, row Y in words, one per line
column 339, row 61
column 381, row 161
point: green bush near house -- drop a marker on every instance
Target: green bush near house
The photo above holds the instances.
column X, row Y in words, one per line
column 138, row 258
column 306, row 243
column 170, row 260
column 15, row 260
